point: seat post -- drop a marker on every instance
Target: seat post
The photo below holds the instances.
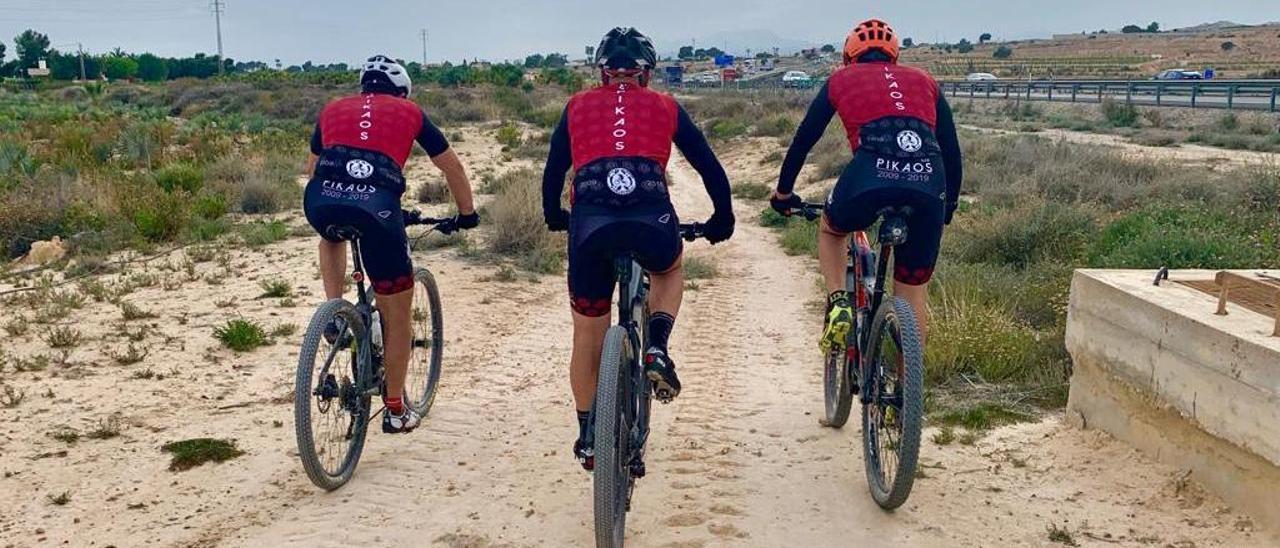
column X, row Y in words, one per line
column 358, row 270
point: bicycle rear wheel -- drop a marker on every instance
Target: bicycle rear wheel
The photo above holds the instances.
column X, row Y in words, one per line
column 612, row 475
column 428, row 343
column 891, row 422
column 331, row 417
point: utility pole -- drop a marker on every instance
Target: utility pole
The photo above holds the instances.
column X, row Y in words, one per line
column 218, row 6
column 424, row 47
column 81, row 48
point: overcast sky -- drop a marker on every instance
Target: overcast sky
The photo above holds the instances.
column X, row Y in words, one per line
column 349, row 30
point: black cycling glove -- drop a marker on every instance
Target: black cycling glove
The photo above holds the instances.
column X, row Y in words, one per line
column 719, row 227
column 468, row 221
column 786, row 206
column 557, row 220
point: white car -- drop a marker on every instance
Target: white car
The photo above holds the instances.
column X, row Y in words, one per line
column 796, row 78
column 981, row 77
column 712, row 77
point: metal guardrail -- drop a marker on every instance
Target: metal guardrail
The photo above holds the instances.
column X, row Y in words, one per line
column 1225, row 94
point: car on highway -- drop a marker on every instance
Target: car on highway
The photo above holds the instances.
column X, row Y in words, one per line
column 796, row 79
column 981, row 77
column 705, row 78
column 1178, row 74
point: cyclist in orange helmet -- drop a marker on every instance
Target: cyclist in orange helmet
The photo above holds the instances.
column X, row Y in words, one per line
column 905, row 153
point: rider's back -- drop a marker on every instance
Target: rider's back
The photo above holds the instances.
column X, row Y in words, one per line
column 865, row 92
column 374, row 122
column 621, row 120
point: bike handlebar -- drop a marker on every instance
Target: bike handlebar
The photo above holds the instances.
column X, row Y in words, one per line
column 445, row 226
column 809, row 211
column 692, row 231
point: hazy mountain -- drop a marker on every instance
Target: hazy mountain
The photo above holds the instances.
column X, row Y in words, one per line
column 1206, row 27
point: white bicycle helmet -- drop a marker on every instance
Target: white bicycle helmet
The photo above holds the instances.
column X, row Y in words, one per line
column 383, row 74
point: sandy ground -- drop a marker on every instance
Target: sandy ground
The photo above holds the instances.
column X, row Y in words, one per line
column 738, row 460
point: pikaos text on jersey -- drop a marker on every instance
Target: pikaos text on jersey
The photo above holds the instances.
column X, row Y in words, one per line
column 895, row 89
column 620, row 120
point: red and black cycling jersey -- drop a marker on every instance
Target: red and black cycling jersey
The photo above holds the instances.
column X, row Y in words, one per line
column 377, row 122
column 864, row 93
column 617, row 138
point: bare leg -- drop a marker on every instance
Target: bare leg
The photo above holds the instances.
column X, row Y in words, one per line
column 833, row 256
column 333, row 267
column 666, row 290
column 397, row 324
column 918, row 296
column 584, row 364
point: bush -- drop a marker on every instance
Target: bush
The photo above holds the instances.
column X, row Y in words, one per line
column 752, row 191
column 1025, row 235
column 774, row 126
column 723, row 130
column 241, row 335
column 518, row 227
column 1119, row 114
column 188, row 454
column 259, row 234
column 175, row 177
column 1187, row 236
column 509, row 136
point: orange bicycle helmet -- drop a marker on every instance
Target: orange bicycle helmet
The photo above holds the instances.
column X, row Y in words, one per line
column 868, row 35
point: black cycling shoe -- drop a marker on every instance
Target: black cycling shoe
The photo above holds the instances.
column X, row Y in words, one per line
column 662, row 372
column 586, row 455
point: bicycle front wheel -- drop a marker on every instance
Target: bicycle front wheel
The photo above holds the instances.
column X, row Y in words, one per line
column 891, row 422
column 837, row 388
column 612, row 475
column 423, row 376
column 331, row 416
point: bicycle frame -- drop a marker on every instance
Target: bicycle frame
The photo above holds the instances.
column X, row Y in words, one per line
column 633, row 292
column 370, row 367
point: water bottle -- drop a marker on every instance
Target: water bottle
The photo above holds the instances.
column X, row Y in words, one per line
column 377, row 331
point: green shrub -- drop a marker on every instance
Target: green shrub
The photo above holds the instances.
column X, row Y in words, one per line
column 982, row 416
column 1229, row 122
column 188, row 454
column 175, row 177
column 1187, row 236
column 509, row 136
column 774, row 126
column 1119, row 114
column 258, row 234
column 752, row 191
column 241, row 335
column 725, row 129
column 275, row 289
column 698, row 268
column 1025, row 235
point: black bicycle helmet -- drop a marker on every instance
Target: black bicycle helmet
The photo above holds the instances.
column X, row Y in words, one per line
column 626, row 48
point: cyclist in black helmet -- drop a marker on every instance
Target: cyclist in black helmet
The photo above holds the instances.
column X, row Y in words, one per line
column 617, row 137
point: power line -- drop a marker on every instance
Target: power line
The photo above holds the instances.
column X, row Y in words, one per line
column 424, row 47
column 218, row 6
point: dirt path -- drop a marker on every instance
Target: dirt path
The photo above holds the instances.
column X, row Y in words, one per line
column 1220, row 159
column 738, row 460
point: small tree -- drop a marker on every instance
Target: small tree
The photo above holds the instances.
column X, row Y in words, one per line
column 1003, row 52
column 1131, row 29
column 31, row 46
column 2, row 53
column 1153, row 27
column 964, row 46
column 828, row 48
column 686, row 52
column 1228, row 46
column 119, row 68
column 533, row 61
column 986, row 37
column 152, row 68
column 908, row 43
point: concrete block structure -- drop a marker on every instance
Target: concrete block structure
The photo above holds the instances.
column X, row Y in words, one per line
column 1155, row 367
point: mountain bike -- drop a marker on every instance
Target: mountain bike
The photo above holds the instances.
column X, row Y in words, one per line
column 340, row 366
column 882, row 362
column 623, row 399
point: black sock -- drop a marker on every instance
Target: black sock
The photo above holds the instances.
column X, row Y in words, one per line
column 582, row 424
column 660, row 324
